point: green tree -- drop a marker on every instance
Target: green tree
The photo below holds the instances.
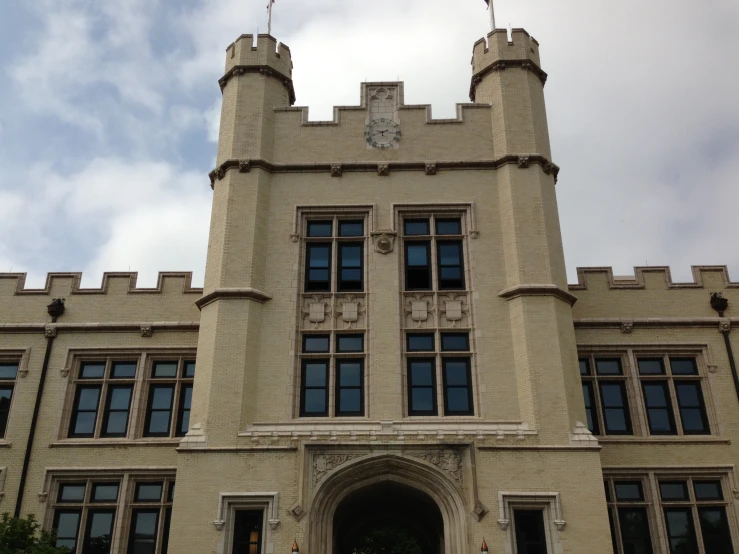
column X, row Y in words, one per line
column 25, row 536
column 388, row 540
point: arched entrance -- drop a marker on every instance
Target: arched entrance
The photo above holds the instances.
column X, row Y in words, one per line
column 388, row 517
column 373, row 486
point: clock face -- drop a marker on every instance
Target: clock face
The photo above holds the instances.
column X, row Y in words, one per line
column 382, row 133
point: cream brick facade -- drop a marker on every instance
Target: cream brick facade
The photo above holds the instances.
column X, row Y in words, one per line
column 525, row 446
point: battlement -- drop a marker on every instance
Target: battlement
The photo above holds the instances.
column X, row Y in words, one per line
column 64, row 284
column 267, row 52
column 523, row 47
column 708, row 277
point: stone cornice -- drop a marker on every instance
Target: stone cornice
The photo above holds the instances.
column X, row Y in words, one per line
column 245, row 293
column 523, row 161
column 616, row 323
column 265, row 70
column 538, row 290
column 502, row 65
column 110, row 326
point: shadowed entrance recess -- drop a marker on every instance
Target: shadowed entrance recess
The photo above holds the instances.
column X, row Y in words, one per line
column 388, row 518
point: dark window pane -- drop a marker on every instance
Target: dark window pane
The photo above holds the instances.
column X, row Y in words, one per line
column 420, row 342
column 584, row 366
column 190, row 369
column 159, row 412
column 422, row 400
column 456, row 373
column 417, row 254
column 673, row 490
column 422, row 372
column 315, row 401
column 124, row 370
column 455, row 342
column 457, row 401
column 680, row 531
column 450, row 265
column 319, row 228
column 92, row 370
column 607, row 488
column 143, row 532
column 104, row 492
column 612, row 524
column 590, row 410
column 350, row 265
column 165, row 530
column 8, row 371
column 635, row 530
column 692, row 411
column 651, row 366
column 315, row 374
column 715, row 529
column 350, row 374
column 66, row 524
column 84, row 415
column 608, row 366
column 351, row 228
column 421, row 387
column 659, row 408
column 350, row 343
column 117, row 409
column 318, row 265
column 314, row 388
column 162, row 397
column 99, row 532
column 629, row 491
column 148, row 492
column 708, row 490
column 170, row 492
column 248, row 532
column 71, row 493
column 350, row 401
column 615, row 408
column 6, row 395
column 165, row 370
column 183, row 425
column 530, row 535
column 448, row 227
column 416, row 227
column 683, row 366
column 315, row 343
column 457, row 387
column 417, row 266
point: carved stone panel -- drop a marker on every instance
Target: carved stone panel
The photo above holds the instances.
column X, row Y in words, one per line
column 419, row 311
column 448, row 461
column 323, row 464
column 454, row 310
column 316, row 312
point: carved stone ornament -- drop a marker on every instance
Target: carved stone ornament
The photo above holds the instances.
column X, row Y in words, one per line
column 526, row 66
column 350, row 312
column 147, row 330
column 297, row 511
column 419, row 310
column 274, row 524
column 336, row 170
column 294, row 237
column 480, row 510
column 453, row 310
column 549, row 168
column 325, row 463
column 724, row 326
column 523, row 162
column 431, row 169
column 504, row 523
column 383, row 170
column 42, row 496
column 450, row 462
column 712, row 368
column 627, row 327
column 218, row 524
column 64, row 372
column 244, row 166
column 317, row 312
column 50, row 332
column 384, row 242
column 23, row 372
column 560, row 524
column 500, row 66
column 220, row 173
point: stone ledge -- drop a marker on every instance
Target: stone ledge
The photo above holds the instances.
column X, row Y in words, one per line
column 538, row 290
column 245, row 293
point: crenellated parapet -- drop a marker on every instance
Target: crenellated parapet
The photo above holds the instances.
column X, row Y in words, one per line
column 652, row 277
column 14, row 284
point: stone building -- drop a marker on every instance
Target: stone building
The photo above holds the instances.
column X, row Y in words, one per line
column 385, row 340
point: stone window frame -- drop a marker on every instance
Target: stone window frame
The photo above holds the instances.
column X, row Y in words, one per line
column 650, row 478
column 127, row 477
column 139, row 401
column 628, row 353
column 230, row 502
column 548, row 502
column 20, row 358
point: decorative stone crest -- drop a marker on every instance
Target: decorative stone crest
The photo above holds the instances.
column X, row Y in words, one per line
column 383, row 170
column 712, row 368
column 430, row 169
column 294, row 237
column 147, row 330
column 50, row 332
column 384, row 241
column 336, row 170
column 42, row 496
column 419, row 310
column 325, row 463
column 627, row 327
column 244, row 166
column 448, row 461
column 523, row 162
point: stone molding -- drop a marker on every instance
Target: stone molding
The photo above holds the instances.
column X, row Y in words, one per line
column 245, row 293
column 101, row 327
column 547, row 166
column 550, row 500
column 265, row 70
column 538, row 290
column 652, row 322
column 503, row 65
column 639, row 282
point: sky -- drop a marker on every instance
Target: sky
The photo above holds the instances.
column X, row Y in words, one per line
column 109, row 116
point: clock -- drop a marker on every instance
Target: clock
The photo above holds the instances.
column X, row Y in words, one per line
column 382, row 133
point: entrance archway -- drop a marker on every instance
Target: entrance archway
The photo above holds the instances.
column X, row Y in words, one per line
column 388, row 517
column 428, row 491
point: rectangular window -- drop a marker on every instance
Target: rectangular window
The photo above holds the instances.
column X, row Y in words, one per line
column 8, row 373
column 530, row 535
column 248, row 532
column 457, row 387
column 422, row 386
column 628, row 515
column 604, row 393
column 88, row 506
column 671, row 385
column 102, row 400
column 332, row 367
column 421, row 246
column 334, row 243
column 169, row 398
column 151, row 510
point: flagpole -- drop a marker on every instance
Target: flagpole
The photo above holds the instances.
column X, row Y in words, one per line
column 269, row 16
column 491, row 9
